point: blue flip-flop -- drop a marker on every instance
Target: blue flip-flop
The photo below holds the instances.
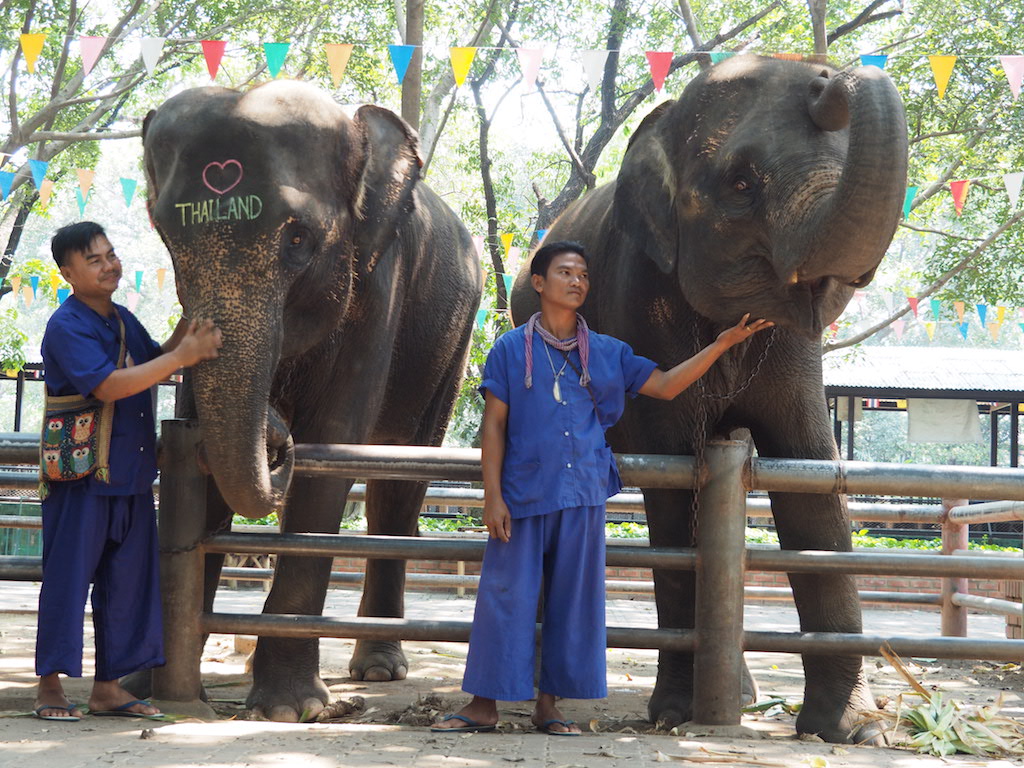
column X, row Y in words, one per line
column 38, row 712
column 471, row 726
column 125, row 711
column 545, row 727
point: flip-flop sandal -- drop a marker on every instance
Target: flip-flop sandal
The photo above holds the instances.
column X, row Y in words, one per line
column 125, row 711
column 545, row 727
column 471, row 726
column 38, row 712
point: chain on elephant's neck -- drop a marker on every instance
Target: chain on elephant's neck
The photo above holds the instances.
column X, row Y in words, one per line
column 701, row 429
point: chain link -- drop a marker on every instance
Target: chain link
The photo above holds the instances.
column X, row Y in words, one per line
column 701, row 437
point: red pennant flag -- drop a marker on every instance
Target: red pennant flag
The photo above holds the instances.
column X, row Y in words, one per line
column 659, row 63
column 913, row 304
column 213, row 51
column 959, row 190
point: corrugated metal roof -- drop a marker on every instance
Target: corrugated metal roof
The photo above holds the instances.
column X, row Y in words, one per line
column 907, row 369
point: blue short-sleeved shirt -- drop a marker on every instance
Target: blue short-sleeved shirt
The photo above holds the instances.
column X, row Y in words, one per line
column 80, row 350
column 556, row 455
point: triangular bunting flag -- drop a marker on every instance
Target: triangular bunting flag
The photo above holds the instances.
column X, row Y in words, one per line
column 982, row 312
column 27, row 295
column 132, row 301
column 929, row 327
column 993, row 329
column 788, row 56
column 512, row 260
column 963, row 330
column 898, row 327
column 913, row 304
column 509, row 279
column 478, row 245
column 6, row 181
column 659, row 63
column 62, row 295
column 717, row 56
column 506, row 241
column 462, row 60
column 1012, row 182
column 908, row 200
column 593, row 67
column 959, row 190
column 401, row 55
column 959, row 306
column 1014, row 67
column 90, row 48
column 15, row 284
column 481, row 318
column 338, row 55
column 942, row 69
column 85, row 178
column 138, row 280
column 529, row 64
column 161, row 275
column 889, row 299
column 54, row 282
column 39, row 168
column 213, row 52
column 275, row 53
column 31, row 47
column 935, row 305
column 1000, row 315
column 82, row 200
column 874, row 60
column 540, row 235
column 45, row 190
column 34, row 281
column 128, row 187
column 152, row 48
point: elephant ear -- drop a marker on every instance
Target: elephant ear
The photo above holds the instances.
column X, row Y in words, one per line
column 391, row 169
column 645, row 193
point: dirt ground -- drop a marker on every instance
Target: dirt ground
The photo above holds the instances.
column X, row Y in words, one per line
column 383, row 723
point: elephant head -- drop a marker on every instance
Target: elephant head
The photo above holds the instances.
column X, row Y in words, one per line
column 273, row 203
column 770, row 187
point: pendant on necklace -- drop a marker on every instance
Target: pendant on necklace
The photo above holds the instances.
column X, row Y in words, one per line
column 557, row 391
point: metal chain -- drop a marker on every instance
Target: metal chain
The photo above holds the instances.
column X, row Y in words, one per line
column 701, row 437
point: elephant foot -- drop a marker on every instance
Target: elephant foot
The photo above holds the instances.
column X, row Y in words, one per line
column 378, row 662
column 839, row 723
column 673, row 705
column 139, row 684
column 288, row 701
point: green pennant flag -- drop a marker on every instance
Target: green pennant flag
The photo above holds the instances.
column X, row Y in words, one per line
column 275, row 53
column 908, row 200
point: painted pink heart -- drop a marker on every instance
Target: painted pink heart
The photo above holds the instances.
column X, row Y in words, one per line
column 225, row 176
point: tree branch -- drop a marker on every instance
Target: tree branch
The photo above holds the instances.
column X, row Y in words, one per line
column 691, row 23
column 76, row 136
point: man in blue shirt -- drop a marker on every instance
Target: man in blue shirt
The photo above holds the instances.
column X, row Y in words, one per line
column 103, row 530
column 552, row 387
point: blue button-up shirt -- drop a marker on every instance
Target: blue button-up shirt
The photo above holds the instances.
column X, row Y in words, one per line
column 80, row 350
column 556, row 455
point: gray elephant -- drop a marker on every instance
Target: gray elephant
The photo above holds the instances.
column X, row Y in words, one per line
column 346, row 292
column 770, row 187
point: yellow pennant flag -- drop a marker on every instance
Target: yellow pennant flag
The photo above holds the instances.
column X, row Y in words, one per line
column 32, row 46
column 993, row 328
column 45, row 190
column 16, row 284
column 942, row 69
column 959, row 306
column 930, row 327
column 506, row 240
column 337, row 59
column 1000, row 314
column 27, row 295
column 85, row 177
column 54, row 282
column 462, row 60
column 160, row 275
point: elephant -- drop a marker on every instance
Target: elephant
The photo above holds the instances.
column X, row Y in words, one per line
column 346, row 291
column 771, row 187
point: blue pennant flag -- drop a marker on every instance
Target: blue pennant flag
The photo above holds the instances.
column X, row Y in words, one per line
column 34, row 279
column 401, row 55
column 39, row 168
column 540, row 235
column 62, row 294
column 128, row 188
column 963, row 329
column 982, row 312
column 874, row 61
column 6, row 180
column 481, row 318
column 717, row 56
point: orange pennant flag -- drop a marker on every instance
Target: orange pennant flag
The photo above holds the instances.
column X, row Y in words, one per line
column 160, row 275
column 959, row 306
column 31, row 47
column 27, row 295
column 942, row 69
column 338, row 55
column 45, row 190
column 16, row 284
column 85, row 177
column 959, row 190
column 993, row 329
column 462, row 60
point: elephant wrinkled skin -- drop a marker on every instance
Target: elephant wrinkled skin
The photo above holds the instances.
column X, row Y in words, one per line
column 346, row 292
column 770, row 187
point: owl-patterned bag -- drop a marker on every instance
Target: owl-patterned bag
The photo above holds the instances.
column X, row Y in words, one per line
column 76, row 436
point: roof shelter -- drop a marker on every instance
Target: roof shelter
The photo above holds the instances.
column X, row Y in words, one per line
column 884, row 378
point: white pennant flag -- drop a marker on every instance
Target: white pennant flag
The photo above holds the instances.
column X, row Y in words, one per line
column 889, row 300
column 152, row 48
column 529, row 63
column 593, row 66
column 1012, row 182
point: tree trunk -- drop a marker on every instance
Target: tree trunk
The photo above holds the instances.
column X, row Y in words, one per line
column 413, row 82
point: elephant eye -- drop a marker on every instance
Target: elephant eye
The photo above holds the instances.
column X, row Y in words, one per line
column 741, row 184
column 298, row 247
column 298, row 238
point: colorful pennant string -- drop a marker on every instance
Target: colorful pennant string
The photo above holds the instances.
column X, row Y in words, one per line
column 659, row 63
column 90, row 47
column 213, row 52
column 401, row 55
column 276, row 54
column 462, row 60
column 338, row 55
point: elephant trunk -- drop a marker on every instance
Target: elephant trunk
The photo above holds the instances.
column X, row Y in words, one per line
column 247, row 446
column 850, row 232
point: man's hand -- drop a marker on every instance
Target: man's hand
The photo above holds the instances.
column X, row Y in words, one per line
column 741, row 331
column 498, row 520
column 200, row 342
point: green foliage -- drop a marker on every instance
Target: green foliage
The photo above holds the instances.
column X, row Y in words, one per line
column 12, row 342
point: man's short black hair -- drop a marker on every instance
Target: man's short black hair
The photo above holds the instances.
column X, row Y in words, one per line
column 542, row 258
column 74, row 237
